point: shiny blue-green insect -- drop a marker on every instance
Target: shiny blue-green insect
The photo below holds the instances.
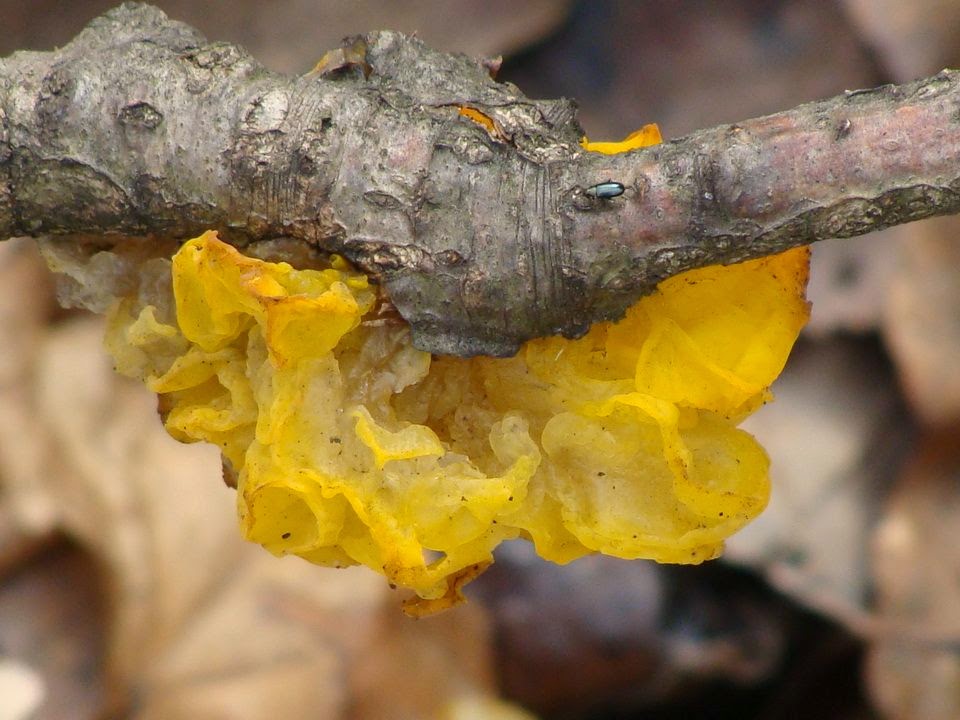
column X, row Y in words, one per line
column 605, row 190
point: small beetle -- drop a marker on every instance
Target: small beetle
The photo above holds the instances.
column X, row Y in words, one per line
column 605, row 190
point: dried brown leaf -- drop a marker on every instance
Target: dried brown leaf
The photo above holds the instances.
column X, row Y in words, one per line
column 850, row 282
column 912, row 38
column 921, row 317
column 914, row 666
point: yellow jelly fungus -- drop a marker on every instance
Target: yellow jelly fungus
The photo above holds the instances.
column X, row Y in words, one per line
column 478, row 117
column 350, row 446
column 644, row 137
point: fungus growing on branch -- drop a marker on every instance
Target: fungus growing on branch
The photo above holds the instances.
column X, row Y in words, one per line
column 350, row 446
column 427, row 315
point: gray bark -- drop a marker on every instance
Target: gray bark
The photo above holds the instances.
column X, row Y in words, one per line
column 481, row 239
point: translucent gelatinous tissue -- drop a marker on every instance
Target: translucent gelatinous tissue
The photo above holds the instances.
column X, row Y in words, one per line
column 350, row 446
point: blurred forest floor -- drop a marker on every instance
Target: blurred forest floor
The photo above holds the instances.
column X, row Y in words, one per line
column 125, row 590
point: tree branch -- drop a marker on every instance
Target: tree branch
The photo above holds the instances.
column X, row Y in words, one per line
column 477, row 224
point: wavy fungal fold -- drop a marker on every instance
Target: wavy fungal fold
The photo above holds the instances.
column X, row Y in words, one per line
column 350, row 446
